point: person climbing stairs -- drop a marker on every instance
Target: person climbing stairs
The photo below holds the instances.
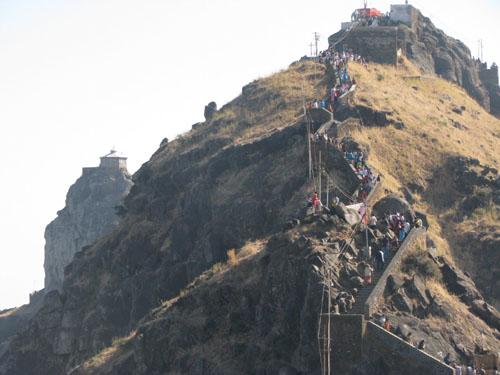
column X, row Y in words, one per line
column 364, row 293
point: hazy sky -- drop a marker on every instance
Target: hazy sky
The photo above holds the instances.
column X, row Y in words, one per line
column 78, row 77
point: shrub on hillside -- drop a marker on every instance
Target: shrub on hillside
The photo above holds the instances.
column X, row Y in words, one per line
column 232, row 257
column 420, row 264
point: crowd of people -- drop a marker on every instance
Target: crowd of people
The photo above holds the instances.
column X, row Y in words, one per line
column 344, row 301
column 466, row 370
column 394, row 226
column 343, row 82
column 339, row 61
column 368, row 179
column 356, row 159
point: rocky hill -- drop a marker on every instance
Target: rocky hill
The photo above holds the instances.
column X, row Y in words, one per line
column 90, row 213
column 200, row 276
column 430, row 49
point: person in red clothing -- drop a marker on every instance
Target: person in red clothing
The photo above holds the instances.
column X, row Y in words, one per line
column 315, row 201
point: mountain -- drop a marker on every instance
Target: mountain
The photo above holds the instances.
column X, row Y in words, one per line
column 217, row 267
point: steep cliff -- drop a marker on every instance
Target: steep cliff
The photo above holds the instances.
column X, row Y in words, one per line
column 90, row 213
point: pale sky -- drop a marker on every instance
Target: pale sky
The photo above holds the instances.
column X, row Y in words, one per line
column 78, row 77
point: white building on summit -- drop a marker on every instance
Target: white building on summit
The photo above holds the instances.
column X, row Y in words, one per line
column 114, row 160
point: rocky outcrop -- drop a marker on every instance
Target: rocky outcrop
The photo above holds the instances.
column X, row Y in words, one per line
column 210, row 110
column 393, row 204
column 427, row 46
column 473, row 195
column 90, row 213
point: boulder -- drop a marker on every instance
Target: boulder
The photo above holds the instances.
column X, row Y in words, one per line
column 458, row 283
column 392, row 204
column 210, row 110
column 441, row 309
column 402, row 302
column 164, row 142
column 416, row 289
column 351, row 216
column 394, row 282
column 487, row 313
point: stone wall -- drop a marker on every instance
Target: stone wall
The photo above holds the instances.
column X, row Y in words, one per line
column 378, row 44
column 489, row 76
column 114, row 163
column 347, row 332
column 334, row 161
column 417, row 237
column 391, row 355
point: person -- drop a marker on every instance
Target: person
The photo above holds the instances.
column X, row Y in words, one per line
column 380, row 260
column 421, row 344
column 469, row 370
column 373, row 222
column 315, row 201
column 381, row 320
column 336, row 201
column 419, row 223
column 408, row 338
column 447, row 359
column 407, row 227
column 458, row 370
column 387, row 325
column 481, row 371
column 342, row 305
column 401, row 234
column 368, row 275
column 349, row 302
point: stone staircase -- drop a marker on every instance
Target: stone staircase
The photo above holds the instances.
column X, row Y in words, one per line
column 359, row 305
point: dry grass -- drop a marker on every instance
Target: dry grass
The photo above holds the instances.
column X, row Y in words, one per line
column 432, row 133
column 7, row 313
column 232, row 258
column 117, row 348
column 252, row 248
column 273, row 102
column 425, row 107
column 464, row 321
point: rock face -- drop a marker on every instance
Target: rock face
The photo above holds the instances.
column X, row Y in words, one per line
column 89, row 214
